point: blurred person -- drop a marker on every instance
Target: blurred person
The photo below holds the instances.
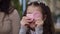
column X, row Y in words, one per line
column 37, row 19
column 9, row 18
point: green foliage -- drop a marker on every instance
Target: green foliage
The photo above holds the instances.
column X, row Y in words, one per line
column 18, row 7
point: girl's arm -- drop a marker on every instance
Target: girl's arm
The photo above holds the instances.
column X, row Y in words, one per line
column 39, row 30
column 23, row 30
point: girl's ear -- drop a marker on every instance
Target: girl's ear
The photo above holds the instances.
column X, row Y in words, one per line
column 45, row 16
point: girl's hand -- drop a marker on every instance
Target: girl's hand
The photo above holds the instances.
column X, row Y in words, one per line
column 39, row 22
column 25, row 21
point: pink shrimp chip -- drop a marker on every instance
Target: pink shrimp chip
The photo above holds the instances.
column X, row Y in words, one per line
column 30, row 16
column 34, row 15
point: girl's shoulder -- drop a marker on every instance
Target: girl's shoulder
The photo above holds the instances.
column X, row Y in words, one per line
column 13, row 13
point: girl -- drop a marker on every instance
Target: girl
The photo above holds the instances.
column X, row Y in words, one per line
column 37, row 20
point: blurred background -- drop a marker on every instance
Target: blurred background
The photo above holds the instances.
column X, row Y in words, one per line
column 54, row 5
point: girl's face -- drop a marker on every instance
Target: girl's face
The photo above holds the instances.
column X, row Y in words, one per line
column 34, row 12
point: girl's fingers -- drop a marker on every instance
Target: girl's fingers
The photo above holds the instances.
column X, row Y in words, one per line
column 28, row 19
column 39, row 23
column 25, row 21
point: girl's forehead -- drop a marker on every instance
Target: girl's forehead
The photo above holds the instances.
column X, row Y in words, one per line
column 33, row 8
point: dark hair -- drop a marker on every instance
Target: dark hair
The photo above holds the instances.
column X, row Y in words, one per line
column 48, row 27
column 4, row 6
